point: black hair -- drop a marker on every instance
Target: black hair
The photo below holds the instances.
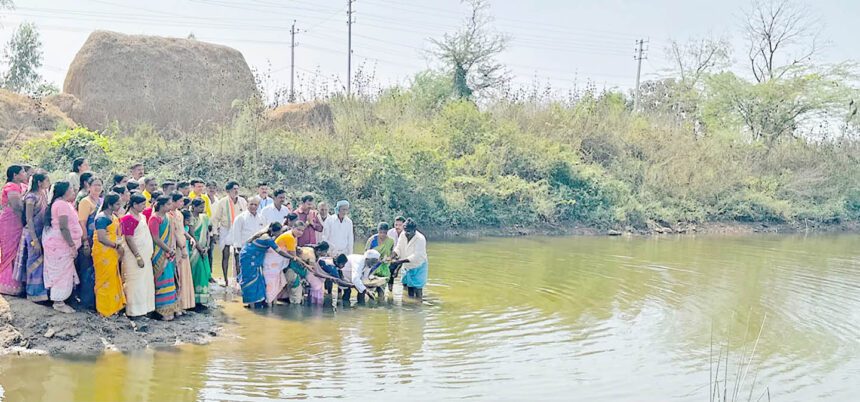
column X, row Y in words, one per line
column 212, row 184
column 176, row 196
column 230, row 185
column 132, row 185
column 154, row 195
column 86, row 178
column 292, row 216
column 119, row 190
column 160, row 202
column 383, row 226
column 76, row 164
column 279, row 192
column 182, row 184
column 12, row 171
column 136, row 165
column 110, row 199
column 186, row 202
column 400, row 219
column 262, row 183
column 195, row 182
column 186, row 214
column 307, row 197
column 341, row 259
column 411, row 224
column 167, row 184
column 118, row 178
column 148, row 180
column 197, row 202
column 135, row 199
column 321, row 247
column 60, row 189
column 38, row 178
column 274, row 227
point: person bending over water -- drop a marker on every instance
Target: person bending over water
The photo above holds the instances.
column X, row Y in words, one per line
column 411, row 254
column 251, row 262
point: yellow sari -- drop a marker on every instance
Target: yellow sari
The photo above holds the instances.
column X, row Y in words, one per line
column 109, row 292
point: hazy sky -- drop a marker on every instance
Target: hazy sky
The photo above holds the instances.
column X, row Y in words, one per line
column 560, row 42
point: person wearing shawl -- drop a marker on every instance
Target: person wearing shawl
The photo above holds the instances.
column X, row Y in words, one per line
column 30, row 263
column 224, row 214
column 251, row 261
column 164, row 258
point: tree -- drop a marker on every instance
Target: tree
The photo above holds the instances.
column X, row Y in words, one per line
column 471, row 53
column 23, row 58
column 782, row 36
column 699, row 56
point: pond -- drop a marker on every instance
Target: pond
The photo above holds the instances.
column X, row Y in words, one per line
column 568, row 318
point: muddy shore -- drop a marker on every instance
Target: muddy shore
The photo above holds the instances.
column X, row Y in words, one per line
column 27, row 327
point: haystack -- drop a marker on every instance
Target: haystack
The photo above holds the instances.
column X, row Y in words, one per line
column 23, row 117
column 300, row 116
column 169, row 83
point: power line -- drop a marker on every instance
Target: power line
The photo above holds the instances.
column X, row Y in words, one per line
column 639, row 56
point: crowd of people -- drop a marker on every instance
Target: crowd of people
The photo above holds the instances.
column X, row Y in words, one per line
column 145, row 248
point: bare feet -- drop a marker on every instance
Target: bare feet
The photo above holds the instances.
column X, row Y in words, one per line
column 63, row 307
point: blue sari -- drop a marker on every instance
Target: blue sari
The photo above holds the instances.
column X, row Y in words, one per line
column 164, row 269
column 86, row 290
column 251, row 275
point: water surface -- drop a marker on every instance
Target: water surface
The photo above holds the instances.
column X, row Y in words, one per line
column 523, row 319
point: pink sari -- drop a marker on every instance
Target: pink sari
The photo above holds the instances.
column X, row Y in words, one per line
column 273, row 272
column 59, row 272
column 11, row 227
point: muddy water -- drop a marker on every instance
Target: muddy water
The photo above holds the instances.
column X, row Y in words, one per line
column 526, row 319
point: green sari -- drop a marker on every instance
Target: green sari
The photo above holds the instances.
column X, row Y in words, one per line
column 200, row 266
column 385, row 248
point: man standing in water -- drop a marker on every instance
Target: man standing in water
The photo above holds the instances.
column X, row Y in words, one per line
column 411, row 250
column 394, row 233
column 224, row 214
column 338, row 232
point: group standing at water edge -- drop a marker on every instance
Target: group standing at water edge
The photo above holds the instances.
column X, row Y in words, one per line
column 134, row 246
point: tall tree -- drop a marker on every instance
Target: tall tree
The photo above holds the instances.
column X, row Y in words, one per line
column 783, row 37
column 697, row 57
column 23, row 58
column 470, row 53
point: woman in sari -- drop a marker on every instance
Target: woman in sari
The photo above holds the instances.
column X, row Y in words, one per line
column 200, row 268
column 164, row 258
column 60, row 243
column 137, row 277
column 251, row 261
column 107, row 252
column 88, row 208
column 11, row 228
column 84, row 187
column 183, row 262
column 30, row 257
column 316, row 274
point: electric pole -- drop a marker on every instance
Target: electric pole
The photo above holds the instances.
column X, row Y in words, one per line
column 638, row 56
column 349, row 22
column 292, row 97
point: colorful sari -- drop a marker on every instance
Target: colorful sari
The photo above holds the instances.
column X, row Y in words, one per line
column 273, row 272
column 201, row 271
column 86, row 291
column 251, row 276
column 108, row 285
column 11, row 227
column 31, row 259
column 59, row 271
column 385, row 248
column 166, row 300
column 183, row 264
column 316, row 284
column 138, row 283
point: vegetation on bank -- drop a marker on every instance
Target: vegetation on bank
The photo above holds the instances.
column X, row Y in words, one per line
column 453, row 149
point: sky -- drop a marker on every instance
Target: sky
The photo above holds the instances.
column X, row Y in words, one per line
column 561, row 43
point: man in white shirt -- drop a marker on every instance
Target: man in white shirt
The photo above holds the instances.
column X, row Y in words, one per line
column 224, row 214
column 247, row 224
column 277, row 211
column 263, row 193
column 338, row 231
column 395, row 232
column 411, row 256
column 357, row 271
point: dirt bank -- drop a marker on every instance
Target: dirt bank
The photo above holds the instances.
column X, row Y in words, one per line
column 27, row 327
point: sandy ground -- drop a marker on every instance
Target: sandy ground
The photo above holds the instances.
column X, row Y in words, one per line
column 27, row 327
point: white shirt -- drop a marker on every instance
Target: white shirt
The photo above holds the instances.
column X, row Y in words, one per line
column 265, row 202
column 245, row 227
column 354, row 271
column 271, row 214
column 414, row 250
column 392, row 233
column 339, row 235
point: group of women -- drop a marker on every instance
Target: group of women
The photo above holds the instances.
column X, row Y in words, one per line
column 77, row 245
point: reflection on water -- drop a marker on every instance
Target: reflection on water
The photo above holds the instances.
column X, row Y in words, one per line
column 514, row 319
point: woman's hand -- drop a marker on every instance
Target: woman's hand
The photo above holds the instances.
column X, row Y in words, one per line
column 120, row 250
column 140, row 262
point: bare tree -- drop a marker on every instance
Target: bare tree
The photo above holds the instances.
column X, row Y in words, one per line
column 471, row 52
column 782, row 34
column 692, row 60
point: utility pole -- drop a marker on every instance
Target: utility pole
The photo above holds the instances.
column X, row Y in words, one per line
column 292, row 97
column 349, row 22
column 638, row 56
